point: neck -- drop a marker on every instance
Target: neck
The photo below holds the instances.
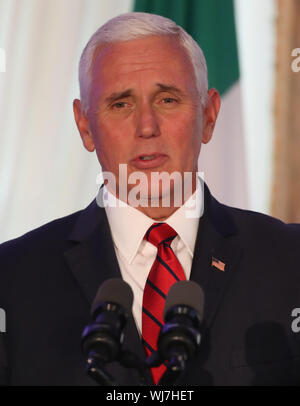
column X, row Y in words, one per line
column 158, row 213
column 161, row 212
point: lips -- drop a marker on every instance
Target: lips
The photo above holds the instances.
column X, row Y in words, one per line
column 149, row 160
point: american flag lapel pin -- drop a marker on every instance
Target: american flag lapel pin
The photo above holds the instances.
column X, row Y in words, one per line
column 216, row 263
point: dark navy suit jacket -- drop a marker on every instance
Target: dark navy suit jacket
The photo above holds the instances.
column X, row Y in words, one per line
column 50, row 276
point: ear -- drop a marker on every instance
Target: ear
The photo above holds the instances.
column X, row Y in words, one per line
column 210, row 114
column 83, row 126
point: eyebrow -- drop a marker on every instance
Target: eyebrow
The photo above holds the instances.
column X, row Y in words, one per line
column 118, row 95
column 169, row 88
column 128, row 92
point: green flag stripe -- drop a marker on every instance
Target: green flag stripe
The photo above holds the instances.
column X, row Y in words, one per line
column 211, row 24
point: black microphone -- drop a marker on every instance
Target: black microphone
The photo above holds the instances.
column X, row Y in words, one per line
column 180, row 336
column 102, row 340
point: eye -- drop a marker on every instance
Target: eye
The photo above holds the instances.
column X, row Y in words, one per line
column 119, row 105
column 169, row 101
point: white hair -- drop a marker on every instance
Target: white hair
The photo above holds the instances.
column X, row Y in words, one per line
column 135, row 25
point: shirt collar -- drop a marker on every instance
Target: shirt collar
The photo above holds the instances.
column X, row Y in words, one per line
column 129, row 225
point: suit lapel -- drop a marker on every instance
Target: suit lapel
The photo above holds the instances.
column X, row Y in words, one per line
column 92, row 261
column 217, row 239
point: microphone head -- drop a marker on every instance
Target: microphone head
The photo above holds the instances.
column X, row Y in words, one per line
column 187, row 293
column 115, row 291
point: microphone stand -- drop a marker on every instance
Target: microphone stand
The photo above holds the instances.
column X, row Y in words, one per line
column 95, row 368
column 129, row 359
column 175, row 367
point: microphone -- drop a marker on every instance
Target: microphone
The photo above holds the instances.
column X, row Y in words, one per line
column 102, row 340
column 180, row 336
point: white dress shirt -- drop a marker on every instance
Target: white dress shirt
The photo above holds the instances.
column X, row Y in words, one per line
column 136, row 255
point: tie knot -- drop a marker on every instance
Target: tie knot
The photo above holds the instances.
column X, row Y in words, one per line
column 160, row 233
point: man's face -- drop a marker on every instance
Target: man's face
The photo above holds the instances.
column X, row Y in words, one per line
column 144, row 103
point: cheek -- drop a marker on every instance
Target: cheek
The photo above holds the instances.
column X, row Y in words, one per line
column 108, row 137
column 184, row 131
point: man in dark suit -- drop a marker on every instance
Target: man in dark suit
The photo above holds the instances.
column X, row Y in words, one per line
column 145, row 104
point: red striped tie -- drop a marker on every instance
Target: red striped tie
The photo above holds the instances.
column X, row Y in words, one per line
column 166, row 270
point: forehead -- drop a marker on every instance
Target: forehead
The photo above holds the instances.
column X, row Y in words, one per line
column 157, row 58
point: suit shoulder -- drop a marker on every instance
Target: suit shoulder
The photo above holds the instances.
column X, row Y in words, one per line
column 264, row 229
column 262, row 220
column 52, row 233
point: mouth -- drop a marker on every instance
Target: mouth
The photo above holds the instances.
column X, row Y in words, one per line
column 149, row 161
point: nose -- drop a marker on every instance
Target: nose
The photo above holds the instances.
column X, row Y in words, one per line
column 147, row 122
